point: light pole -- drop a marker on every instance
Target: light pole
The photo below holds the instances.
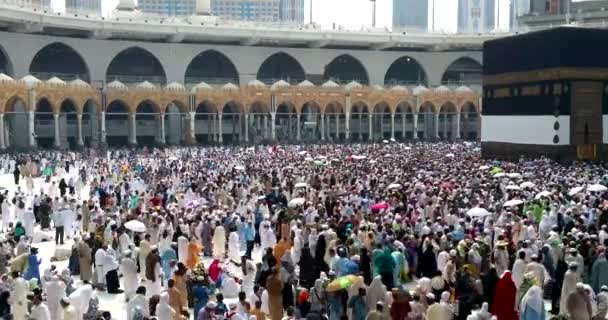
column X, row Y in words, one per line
column 373, row 14
column 310, row 13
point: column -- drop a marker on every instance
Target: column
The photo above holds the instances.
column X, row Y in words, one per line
column 337, row 127
column 360, row 126
column 393, row 125
column 102, row 136
column 298, row 137
column 163, row 136
column 457, row 127
column 56, row 126
column 265, row 129
column 273, row 126
column 415, row 126
column 219, row 128
column 436, row 126
column 192, row 127
column 32, row 134
column 2, row 142
column 246, row 127
column 80, row 141
column 212, row 124
column 371, row 128
column 446, row 118
column 403, row 125
column 347, row 126
column 133, row 133
column 322, row 126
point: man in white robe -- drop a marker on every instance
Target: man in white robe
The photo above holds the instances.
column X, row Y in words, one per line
column 230, row 289
column 144, row 249
column 55, row 290
column 6, row 213
column 28, row 221
column 39, row 310
column 182, row 249
column 267, row 236
column 568, row 286
column 100, row 258
column 219, row 241
column 129, row 272
column 234, row 248
column 18, row 297
column 163, row 309
column 519, row 269
column 138, row 301
column 124, row 243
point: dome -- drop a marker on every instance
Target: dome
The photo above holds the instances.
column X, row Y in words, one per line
column 352, row 85
column 79, row 83
column 175, row 86
column 230, row 86
column 256, row 83
column 377, row 87
column 306, row 84
column 442, row 89
column 330, row 84
column 145, row 85
column 4, row 77
column 200, row 85
column 463, row 89
column 55, row 81
column 30, row 80
column 399, row 88
column 419, row 90
column 126, row 5
column 279, row 84
column 116, row 85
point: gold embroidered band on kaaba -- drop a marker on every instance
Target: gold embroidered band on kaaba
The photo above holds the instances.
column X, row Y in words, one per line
column 552, row 74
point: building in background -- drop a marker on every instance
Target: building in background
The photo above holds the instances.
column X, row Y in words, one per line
column 477, row 16
column 292, row 11
column 411, row 14
column 562, row 12
column 518, row 8
column 168, row 7
column 83, row 6
column 247, row 10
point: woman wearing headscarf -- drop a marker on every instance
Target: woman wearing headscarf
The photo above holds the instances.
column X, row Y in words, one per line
column 532, row 306
column 180, row 278
column 153, row 273
column 317, row 297
column 365, row 265
column 442, row 310
column 320, row 253
column 215, row 271
column 488, row 282
column 274, row 285
column 308, row 269
column 504, row 298
column 80, row 299
column 375, row 293
column 164, row 309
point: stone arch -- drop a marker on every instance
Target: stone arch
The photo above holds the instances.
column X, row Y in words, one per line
column 426, row 120
column 231, row 121
column 16, row 122
column 147, row 107
column 6, row 66
column 60, row 60
column 178, row 104
column 470, row 122
column 310, row 117
column 213, row 67
column 68, row 126
column 360, row 117
column 346, row 68
column 335, row 120
column 134, row 65
column 90, row 122
column 464, row 70
column 147, row 115
column 286, row 121
column 258, row 107
column 118, row 126
column 205, row 118
column 281, row 66
column 447, row 121
column 406, row 71
column 381, row 118
column 44, row 123
column 404, row 120
column 468, row 103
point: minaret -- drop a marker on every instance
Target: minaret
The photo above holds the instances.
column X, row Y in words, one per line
column 126, row 5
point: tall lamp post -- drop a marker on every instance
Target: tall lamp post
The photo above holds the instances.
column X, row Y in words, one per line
column 373, row 14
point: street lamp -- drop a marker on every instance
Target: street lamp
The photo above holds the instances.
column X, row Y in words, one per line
column 373, row 14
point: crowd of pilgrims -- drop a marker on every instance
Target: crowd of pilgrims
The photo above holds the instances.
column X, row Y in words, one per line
column 380, row 231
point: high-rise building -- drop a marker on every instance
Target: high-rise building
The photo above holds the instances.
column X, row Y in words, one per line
column 83, row 6
column 168, row 7
column 410, row 14
column 476, row 16
column 518, row 9
column 247, row 10
column 292, row 11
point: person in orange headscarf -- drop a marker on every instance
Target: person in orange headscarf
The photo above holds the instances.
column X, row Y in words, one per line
column 280, row 249
column 504, row 298
column 192, row 260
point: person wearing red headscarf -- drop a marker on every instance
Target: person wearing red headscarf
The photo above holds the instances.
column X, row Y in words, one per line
column 214, row 270
column 303, row 304
column 504, row 298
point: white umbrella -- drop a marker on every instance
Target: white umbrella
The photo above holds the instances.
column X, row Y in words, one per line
column 321, row 157
column 308, row 159
column 484, row 167
column 407, row 148
column 302, row 153
column 261, row 198
column 384, row 141
column 512, row 203
column 597, row 188
column 514, row 175
column 335, row 160
column 527, row 184
column 135, row 226
column 373, row 161
column 301, row 185
column 296, row 202
column 239, row 168
column 499, row 175
column 478, row 212
column 172, row 158
column 450, row 155
column 358, row 157
column 575, row 190
column 513, row 187
column 394, row 186
column 541, row 194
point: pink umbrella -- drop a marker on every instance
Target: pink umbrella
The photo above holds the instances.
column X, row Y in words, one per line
column 380, row 206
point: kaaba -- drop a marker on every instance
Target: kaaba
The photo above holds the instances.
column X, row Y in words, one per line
column 546, row 94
